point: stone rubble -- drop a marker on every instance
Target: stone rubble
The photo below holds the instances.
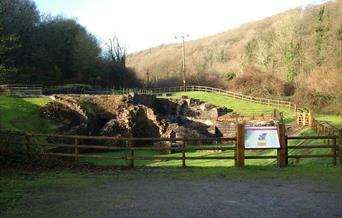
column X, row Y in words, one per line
column 141, row 116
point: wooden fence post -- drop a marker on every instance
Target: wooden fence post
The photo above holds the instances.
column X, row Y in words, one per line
column 334, row 151
column 76, row 149
column 286, row 151
column 340, row 144
column 130, row 154
column 310, row 119
column 282, row 151
column 240, row 146
column 183, row 154
column 325, row 134
column 28, row 144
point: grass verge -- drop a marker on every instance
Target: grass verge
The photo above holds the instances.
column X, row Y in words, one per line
column 23, row 114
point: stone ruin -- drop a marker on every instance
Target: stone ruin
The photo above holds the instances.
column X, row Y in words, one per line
column 141, row 116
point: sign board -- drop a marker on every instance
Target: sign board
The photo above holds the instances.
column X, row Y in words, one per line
column 261, row 137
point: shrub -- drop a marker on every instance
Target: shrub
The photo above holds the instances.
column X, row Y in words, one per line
column 229, row 76
column 261, row 84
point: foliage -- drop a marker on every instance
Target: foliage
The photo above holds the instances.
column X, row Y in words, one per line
column 7, row 44
column 52, row 49
column 229, row 76
column 115, row 51
column 268, row 84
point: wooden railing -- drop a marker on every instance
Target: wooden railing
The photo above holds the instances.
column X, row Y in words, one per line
column 76, row 147
column 23, row 90
column 279, row 103
column 324, row 128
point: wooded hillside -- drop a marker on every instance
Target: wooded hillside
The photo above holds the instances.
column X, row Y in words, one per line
column 296, row 52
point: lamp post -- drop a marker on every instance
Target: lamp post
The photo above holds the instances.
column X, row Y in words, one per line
column 183, row 49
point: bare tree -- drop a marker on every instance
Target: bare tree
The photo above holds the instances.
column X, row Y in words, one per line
column 115, row 51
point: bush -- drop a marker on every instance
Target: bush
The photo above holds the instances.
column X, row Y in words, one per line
column 229, row 76
column 261, row 84
column 4, row 91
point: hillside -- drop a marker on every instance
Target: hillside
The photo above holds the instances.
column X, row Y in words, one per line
column 297, row 52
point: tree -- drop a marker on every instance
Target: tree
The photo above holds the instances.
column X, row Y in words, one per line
column 20, row 18
column 64, row 50
column 115, row 51
column 7, row 44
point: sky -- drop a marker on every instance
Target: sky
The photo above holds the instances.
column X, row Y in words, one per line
column 141, row 24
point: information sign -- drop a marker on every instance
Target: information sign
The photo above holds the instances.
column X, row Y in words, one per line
column 261, row 137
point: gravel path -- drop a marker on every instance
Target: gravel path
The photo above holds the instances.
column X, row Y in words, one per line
column 187, row 197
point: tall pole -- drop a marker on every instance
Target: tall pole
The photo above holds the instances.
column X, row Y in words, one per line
column 183, row 53
column 184, row 80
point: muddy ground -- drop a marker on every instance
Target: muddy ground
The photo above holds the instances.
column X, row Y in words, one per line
column 186, row 197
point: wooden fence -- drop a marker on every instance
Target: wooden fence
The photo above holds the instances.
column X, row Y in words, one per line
column 322, row 128
column 23, row 90
column 10, row 138
column 169, row 90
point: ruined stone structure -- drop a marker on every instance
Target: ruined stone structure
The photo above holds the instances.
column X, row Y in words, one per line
column 141, row 116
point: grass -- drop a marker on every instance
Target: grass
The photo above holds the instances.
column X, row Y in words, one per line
column 239, row 106
column 22, row 114
column 335, row 120
column 19, row 185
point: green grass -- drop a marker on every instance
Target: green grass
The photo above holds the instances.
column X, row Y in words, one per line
column 18, row 185
column 23, row 114
column 335, row 120
column 239, row 106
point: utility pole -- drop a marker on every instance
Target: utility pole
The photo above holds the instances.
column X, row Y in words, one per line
column 183, row 49
column 148, row 73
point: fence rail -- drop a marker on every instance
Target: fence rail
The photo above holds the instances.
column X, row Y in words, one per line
column 23, row 90
column 169, row 90
column 76, row 147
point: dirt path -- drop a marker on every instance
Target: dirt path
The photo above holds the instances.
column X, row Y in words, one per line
column 186, row 197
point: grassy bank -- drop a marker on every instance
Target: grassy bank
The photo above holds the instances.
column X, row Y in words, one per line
column 23, row 114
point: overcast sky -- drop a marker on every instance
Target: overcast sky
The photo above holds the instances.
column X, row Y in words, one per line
column 141, row 24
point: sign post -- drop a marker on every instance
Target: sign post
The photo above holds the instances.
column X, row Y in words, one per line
column 240, row 146
column 261, row 137
column 282, row 151
column 267, row 137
